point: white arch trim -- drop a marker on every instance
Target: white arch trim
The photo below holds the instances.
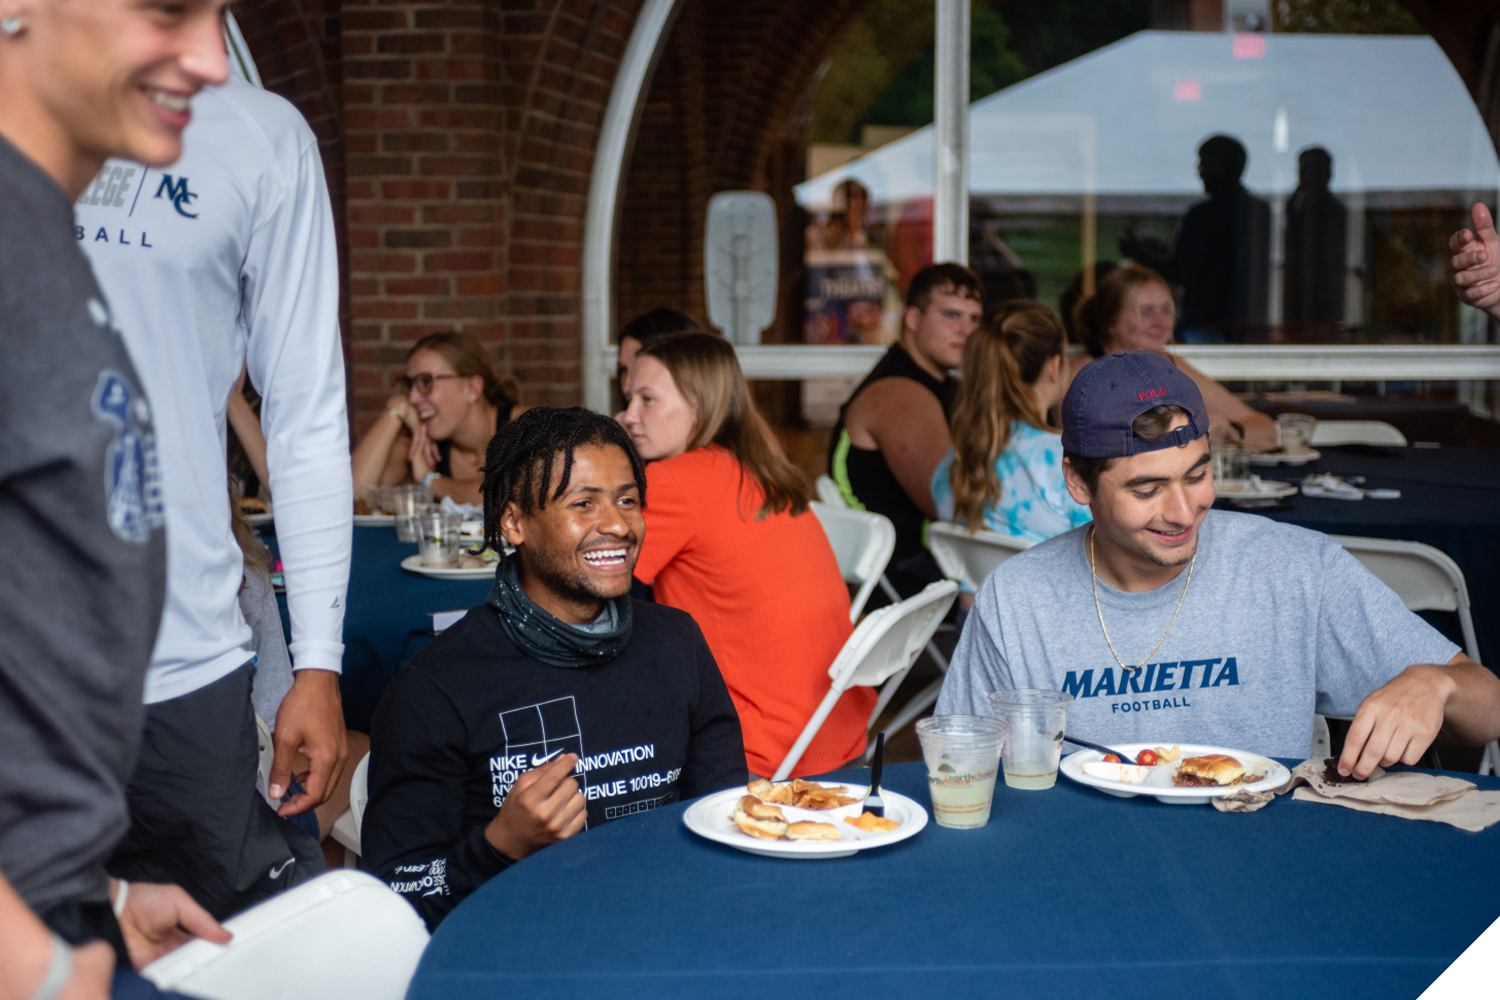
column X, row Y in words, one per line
column 615, row 134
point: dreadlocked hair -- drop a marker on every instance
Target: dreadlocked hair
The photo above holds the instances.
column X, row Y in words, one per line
column 519, row 461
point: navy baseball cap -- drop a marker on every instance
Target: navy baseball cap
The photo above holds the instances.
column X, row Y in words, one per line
column 1109, row 393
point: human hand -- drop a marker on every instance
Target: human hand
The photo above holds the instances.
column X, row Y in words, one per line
column 310, row 721
column 423, row 453
column 400, row 407
column 543, row 807
column 93, row 972
column 1397, row 721
column 161, row 918
column 1474, row 268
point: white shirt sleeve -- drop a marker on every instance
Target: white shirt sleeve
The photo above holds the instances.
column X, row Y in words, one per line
column 290, row 296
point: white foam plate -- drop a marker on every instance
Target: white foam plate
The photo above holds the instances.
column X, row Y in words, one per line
column 1158, row 783
column 1270, row 489
column 709, row 817
column 1281, row 458
column 372, row 520
column 413, row 564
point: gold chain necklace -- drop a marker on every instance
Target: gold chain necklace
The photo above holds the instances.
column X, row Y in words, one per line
column 1094, row 574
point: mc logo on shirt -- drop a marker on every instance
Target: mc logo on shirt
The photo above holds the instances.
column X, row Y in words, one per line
column 176, row 191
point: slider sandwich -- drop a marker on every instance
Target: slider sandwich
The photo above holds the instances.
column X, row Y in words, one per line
column 1209, row 770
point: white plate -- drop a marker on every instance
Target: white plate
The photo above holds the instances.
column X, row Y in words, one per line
column 1281, row 458
column 413, row 564
column 1159, row 784
column 370, row 520
column 709, row 817
column 259, row 519
column 1269, row 489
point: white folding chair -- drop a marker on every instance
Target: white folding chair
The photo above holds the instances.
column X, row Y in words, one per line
column 862, row 543
column 970, row 556
column 884, row 644
column 1426, row 579
column 1332, row 433
column 830, row 494
column 344, row 934
column 347, row 828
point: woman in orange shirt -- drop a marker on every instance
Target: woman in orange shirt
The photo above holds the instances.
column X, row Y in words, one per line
column 730, row 540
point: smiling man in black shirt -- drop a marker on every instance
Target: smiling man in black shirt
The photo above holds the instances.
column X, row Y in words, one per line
column 559, row 704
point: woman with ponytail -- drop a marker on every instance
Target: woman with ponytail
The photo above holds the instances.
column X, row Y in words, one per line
column 1004, row 471
column 730, row 540
column 436, row 430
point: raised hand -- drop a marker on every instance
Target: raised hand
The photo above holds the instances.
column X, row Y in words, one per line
column 1474, row 268
column 543, row 807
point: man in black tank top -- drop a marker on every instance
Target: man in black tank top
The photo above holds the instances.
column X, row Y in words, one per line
column 893, row 431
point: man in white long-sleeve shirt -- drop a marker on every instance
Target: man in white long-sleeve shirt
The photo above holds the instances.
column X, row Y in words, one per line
column 227, row 258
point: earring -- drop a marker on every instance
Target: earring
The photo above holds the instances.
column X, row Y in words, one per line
column 11, row 25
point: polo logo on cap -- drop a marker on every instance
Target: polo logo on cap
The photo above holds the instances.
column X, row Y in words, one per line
column 1160, row 390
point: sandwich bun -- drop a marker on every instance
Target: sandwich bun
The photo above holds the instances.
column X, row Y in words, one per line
column 757, row 819
column 807, row 830
column 1219, row 768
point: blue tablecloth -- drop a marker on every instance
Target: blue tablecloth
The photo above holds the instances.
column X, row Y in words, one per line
column 1450, row 499
column 387, row 617
column 1297, row 900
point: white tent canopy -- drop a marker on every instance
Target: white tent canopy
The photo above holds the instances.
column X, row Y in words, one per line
column 1127, row 120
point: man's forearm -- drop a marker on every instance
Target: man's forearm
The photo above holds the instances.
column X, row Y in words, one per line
column 25, row 946
column 1472, row 714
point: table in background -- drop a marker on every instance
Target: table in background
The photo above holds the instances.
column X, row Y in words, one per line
column 386, row 617
column 1450, row 499
column 1067, row 893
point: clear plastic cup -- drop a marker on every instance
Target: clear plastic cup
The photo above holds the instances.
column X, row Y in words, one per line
column 962, row 754
column 1035, row 721
column 438, row 537
column 1294, row 432
column 408, row 502
column 1231, row 469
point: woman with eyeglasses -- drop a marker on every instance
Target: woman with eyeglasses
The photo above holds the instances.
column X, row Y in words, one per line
column 436, row 431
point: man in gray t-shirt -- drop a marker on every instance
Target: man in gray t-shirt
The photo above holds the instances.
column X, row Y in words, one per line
column 1203, row 626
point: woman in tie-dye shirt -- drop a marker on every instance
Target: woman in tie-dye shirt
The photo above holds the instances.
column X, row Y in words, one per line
column 1004, row 471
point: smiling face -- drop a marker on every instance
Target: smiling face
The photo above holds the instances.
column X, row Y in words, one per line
column 579, row 550
column 660, row 419
column 445, row 405
column 101, row 78
column 938, row 333
column 1145, row 323
column 1147, row 510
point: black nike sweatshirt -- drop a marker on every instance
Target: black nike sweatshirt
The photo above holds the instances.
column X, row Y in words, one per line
column 471, row 712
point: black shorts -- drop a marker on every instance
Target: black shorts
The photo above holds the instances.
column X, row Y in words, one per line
column 196, row 818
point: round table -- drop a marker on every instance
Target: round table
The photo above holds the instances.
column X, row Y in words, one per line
column 1066, row 893
column 1450, row 499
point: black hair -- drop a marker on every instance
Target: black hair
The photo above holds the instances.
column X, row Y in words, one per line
column 519, row 461
column 947, row 277
column 658, row 323
column 1152, row 425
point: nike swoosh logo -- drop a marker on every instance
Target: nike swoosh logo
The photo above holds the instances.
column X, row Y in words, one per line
column 276, row 872
column 539, row 761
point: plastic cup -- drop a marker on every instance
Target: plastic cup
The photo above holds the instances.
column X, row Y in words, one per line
column 1231, row 469
column 438, row 538
column 962, row 754
column 1035, row 721
column 408, row 502
column 1294, row 432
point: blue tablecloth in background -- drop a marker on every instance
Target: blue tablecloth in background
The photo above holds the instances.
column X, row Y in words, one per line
column 387, row 617
column 1450, row 499
column 1297, row 900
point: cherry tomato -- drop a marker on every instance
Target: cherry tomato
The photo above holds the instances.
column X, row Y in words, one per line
column 1146, row 758
column 1110, row 758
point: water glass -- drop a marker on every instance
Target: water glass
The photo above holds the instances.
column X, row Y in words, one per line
column 1231, row 469
column 1294, row 432
column 438, row 537
column 1035, row 721
column 406, row 503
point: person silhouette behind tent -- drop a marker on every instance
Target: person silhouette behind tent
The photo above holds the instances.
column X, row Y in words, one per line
column 1222, row 256
column 1316, row 246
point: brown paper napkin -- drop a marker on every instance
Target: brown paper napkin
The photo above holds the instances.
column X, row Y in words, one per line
column 1436, row 798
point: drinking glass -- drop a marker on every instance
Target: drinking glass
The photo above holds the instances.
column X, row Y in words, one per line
column 1035, row 722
